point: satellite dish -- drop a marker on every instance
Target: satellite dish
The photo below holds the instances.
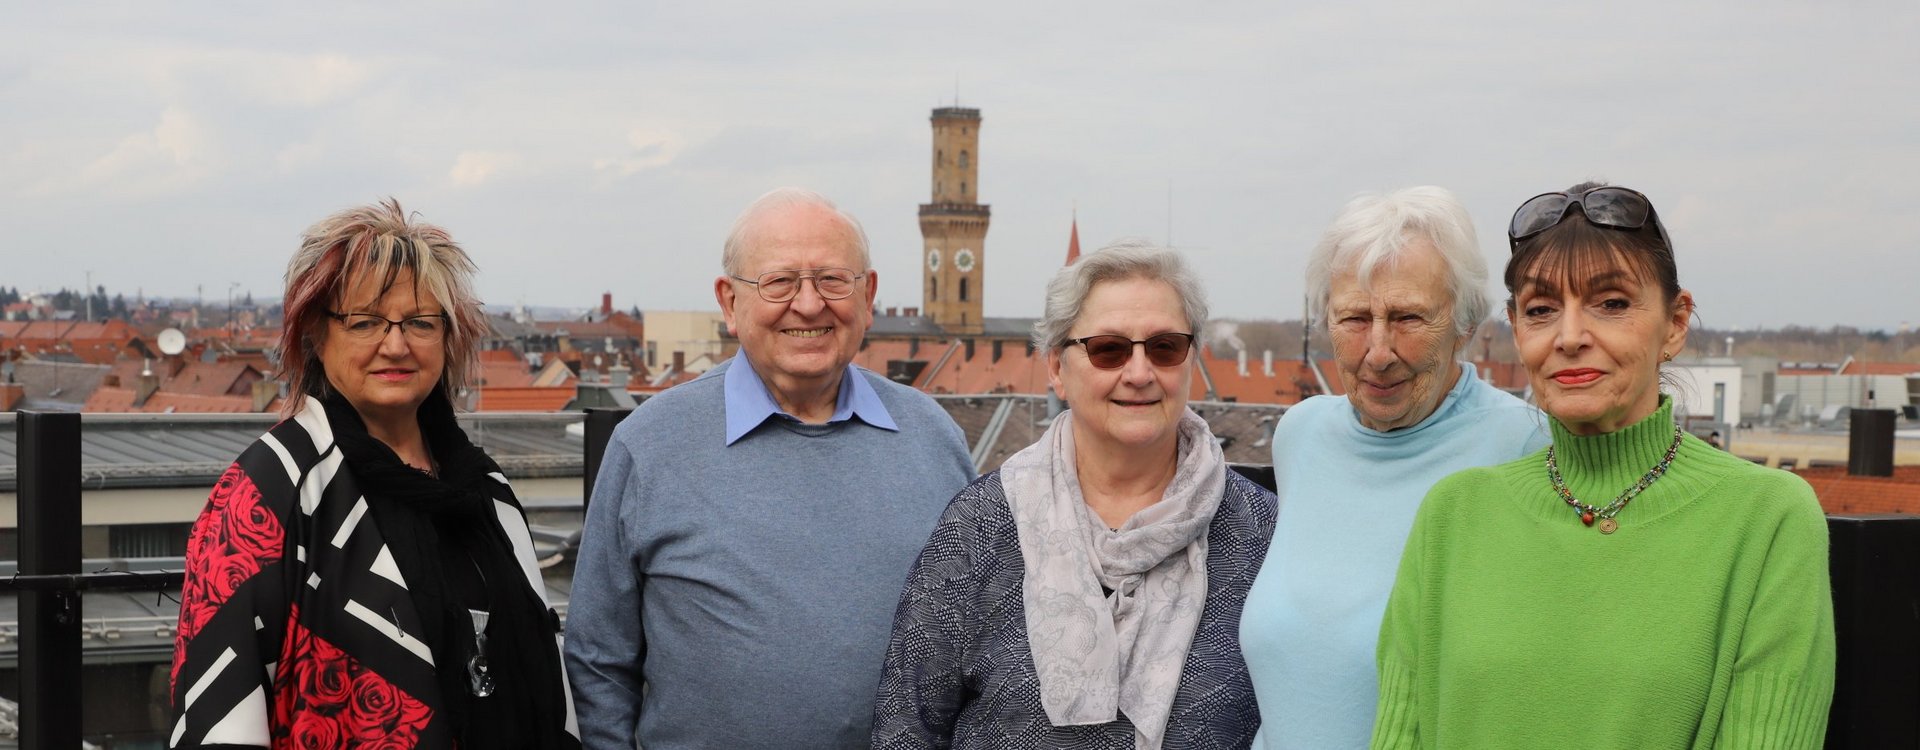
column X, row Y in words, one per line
column 172, row 342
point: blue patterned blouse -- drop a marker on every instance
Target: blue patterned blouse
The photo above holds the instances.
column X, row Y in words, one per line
column 959, row 671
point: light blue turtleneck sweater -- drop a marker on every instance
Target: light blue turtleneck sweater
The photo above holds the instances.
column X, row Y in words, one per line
column 1347, row 500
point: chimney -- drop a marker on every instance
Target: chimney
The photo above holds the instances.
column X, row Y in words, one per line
column 606, row 304
column 619, row 375
column 1266, row 362
column 11, row 394
column 149, row 383
column 263, row 393
column 1870, row 443
column 912, row 312
column 1243, row 363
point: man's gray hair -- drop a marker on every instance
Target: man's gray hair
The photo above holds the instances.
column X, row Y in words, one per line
column 1122, row 260
column 1373, row 229
column 740, row 236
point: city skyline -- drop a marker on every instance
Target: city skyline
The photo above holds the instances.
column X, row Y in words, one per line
column 607, row 148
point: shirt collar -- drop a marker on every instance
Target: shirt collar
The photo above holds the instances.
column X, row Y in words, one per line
column 749, row 404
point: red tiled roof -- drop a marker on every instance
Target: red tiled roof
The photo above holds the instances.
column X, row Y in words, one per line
column 227, row 377
column 513, row 374
column 1880, row 368
column 1840, row 492
column 115, row 399
column 523, row 399
column 1290, row 382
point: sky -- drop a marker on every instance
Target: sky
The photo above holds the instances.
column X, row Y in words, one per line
column 576, row 149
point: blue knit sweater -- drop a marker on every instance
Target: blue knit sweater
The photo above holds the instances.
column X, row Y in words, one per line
column 959, row 669
column 1347, row 499
column 750, row 587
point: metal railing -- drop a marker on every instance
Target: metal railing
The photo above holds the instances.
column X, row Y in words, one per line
column 1875, row 566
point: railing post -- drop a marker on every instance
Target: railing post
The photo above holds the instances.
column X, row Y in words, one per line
column 599, row 430
column 49, row 523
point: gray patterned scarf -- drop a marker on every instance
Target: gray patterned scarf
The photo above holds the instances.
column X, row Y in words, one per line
column 1096, row 654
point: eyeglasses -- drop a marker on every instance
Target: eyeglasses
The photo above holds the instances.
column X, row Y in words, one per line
column 426, row 329
column 780, row 286
column 1111, row 352
column 1607, row 206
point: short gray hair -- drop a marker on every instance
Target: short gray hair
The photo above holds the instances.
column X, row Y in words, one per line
column 777, row 198
column 1372, row 230
column 1122, row 260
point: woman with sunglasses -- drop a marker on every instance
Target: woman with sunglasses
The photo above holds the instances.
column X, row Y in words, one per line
column 1628, row 586
column 1087, row 594
column 363, row 575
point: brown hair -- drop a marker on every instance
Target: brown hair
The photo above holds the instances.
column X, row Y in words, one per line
column 1572, row 251
column 374, row 241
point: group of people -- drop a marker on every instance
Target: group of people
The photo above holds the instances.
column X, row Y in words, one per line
column 793, row 552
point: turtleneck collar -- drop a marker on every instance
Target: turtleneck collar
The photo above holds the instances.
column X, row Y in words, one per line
column 1615, row 459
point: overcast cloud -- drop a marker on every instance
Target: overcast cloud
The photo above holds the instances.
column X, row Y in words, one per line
column 607, row 148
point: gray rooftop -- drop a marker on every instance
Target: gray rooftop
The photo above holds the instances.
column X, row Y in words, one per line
column 191, row 450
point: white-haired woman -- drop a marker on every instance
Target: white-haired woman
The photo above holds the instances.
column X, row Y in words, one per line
column 1087, row 594
column 363, row 575
column 1399, row 283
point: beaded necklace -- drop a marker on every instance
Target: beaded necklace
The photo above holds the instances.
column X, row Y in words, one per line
column 1589, row 514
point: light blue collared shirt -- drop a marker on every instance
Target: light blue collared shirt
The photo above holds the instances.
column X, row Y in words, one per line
column 749, row 404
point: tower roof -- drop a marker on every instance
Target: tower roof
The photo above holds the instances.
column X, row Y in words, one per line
column 963, row 113
column 1073, row 242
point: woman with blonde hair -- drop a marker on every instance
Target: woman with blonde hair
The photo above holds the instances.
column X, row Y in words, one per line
column 363, row 574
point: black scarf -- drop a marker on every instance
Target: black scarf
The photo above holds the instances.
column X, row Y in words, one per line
column 416, row 512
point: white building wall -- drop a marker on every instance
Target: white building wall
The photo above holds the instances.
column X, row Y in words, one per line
column 1706, row 391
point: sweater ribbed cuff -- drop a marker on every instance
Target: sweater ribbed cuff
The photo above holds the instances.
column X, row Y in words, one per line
column 1395, row 724
column 1776, row 711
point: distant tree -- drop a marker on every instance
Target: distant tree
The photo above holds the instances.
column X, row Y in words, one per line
column 63, row 299
column 120, row 306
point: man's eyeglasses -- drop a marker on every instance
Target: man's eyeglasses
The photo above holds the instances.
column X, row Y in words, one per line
column 780, row 286
column 1607, row 206
column 426, row 329
column 1111, row 352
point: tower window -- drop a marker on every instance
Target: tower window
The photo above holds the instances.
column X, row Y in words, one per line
column 963, row 159
column 963, row 187
column 939, row 157
column 933, row 290
column 963, row 289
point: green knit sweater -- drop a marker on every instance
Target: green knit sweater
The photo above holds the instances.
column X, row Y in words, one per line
column 1704, row 622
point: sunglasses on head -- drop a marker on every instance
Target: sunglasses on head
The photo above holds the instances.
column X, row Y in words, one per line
column 1606, row 206
column 1111, row 352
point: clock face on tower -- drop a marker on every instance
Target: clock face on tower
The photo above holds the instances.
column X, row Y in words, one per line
column 933, row 259
column 963, row 260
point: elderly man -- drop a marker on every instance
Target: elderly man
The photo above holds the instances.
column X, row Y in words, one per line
column 750, row 530
column 1399, row 282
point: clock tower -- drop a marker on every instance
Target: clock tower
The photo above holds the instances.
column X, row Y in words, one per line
column 953, row 227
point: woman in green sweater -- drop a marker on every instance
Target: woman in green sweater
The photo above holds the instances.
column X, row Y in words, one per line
column 1630, row 586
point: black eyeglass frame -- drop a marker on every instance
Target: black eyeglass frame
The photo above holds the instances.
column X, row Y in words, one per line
column 391, row 323
column 800, row 275
column 1515, row 235
column 1184, row 351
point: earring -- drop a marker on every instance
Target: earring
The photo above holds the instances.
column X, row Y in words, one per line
column 1666, row 356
